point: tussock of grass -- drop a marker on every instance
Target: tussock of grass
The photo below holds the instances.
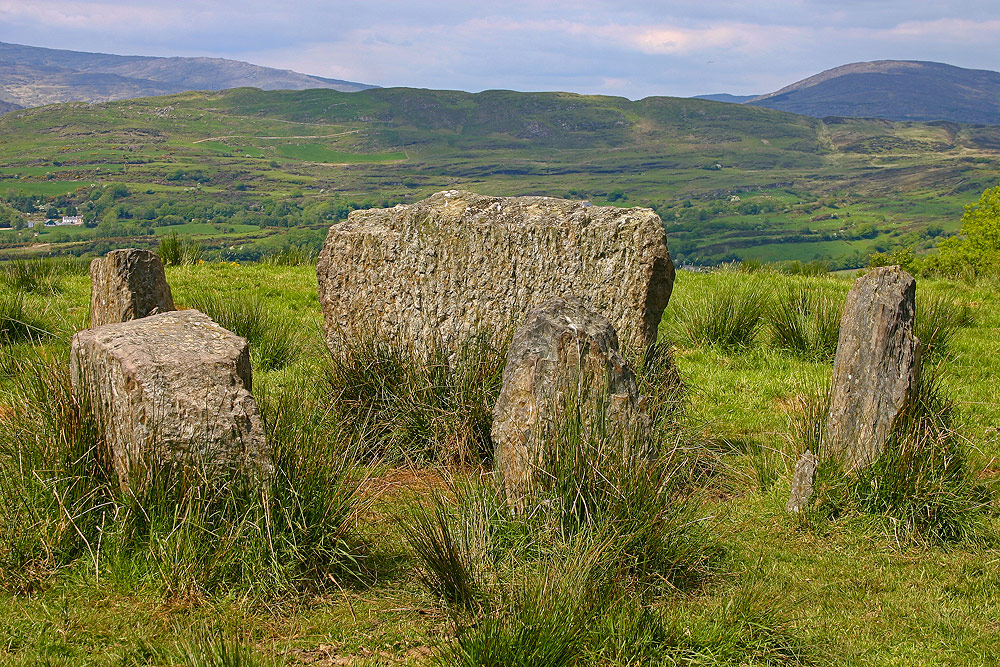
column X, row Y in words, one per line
column 18, row 323
column 613, row 512
column 290, row 255
column 42, row 275
column 61, row 506
column 806, row 323
column 274, row 341
column 724, row 318
column 436, row 408
column 745, row 627
column 919, row 488
column 175, row 250
column 938, row 318
column 206, row 650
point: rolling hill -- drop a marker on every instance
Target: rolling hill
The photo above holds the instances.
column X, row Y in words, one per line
column 33, row 76
column 894, row 90
column 731, row 181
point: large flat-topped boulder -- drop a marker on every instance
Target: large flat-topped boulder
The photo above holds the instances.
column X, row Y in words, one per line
column 875, row 367
column 563, row 358
column 171, row 388
column 459, row 263
column 126, row 285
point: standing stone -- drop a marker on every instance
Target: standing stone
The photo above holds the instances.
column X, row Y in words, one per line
column 459, row 263
column 171, row 388
column 802, row 482
column 875, row 367
column 562, row 351
column 126, row 285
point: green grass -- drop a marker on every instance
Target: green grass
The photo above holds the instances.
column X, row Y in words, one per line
column 320, row 153
column 552, row 586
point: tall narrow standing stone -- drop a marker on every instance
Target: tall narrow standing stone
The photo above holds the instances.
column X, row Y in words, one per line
column 126, row 285
column 875, row 367
column 563, row 352
column 459, row 263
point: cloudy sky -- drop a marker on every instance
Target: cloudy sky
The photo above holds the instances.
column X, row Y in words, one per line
column 629, row 48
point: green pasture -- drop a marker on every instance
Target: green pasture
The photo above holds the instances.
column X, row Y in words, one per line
column 779, row 590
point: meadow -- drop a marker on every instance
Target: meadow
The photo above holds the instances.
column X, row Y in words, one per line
column 389, row 541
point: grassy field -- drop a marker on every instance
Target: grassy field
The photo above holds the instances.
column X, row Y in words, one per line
column 731, row 580
column 731, row 182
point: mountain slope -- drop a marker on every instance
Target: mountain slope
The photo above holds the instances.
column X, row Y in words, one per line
column 33, row 76
column 894, row 90
column 725, row 97
column 7, row 107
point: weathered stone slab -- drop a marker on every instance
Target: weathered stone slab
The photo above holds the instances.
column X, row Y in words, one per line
column 875, row 367
column 126, row 285
column 563, row 351
column 458, row 263
column 802, row 483
column 171, row 388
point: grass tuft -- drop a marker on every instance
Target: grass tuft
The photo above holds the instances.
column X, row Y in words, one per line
column 290, row 255
column 17, row 323
column 41, row 275
column 274, row 341
column 175, row 250
column 939, row 317
column 806, row 323
column 724, row 318
column 62, row 506
column 435, row 408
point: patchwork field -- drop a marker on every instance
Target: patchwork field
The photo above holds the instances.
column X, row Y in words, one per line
column 731, row 182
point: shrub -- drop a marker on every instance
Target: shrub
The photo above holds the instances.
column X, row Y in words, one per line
column 806, row 323
column 274, row 341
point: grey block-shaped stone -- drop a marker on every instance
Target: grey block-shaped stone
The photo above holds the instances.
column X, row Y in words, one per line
column 459, row 263
column 876, row 365
column 126, row 285
column 563, row 351
column 171, row 388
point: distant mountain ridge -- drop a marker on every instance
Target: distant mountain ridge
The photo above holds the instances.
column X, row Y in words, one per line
column 896, row 90
column 33, row 76
column 725, row 97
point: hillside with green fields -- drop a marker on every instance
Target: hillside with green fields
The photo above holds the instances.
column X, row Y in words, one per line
column 730, row 181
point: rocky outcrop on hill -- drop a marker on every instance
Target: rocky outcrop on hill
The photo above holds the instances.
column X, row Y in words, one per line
column 126, row 285
column 875, row 367
column 564, row 356
column 172, row 388
column 458, row 263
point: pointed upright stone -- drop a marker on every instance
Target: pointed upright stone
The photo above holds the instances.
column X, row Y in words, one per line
column 126, row 285
column 563, row 353
column 876, row 365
